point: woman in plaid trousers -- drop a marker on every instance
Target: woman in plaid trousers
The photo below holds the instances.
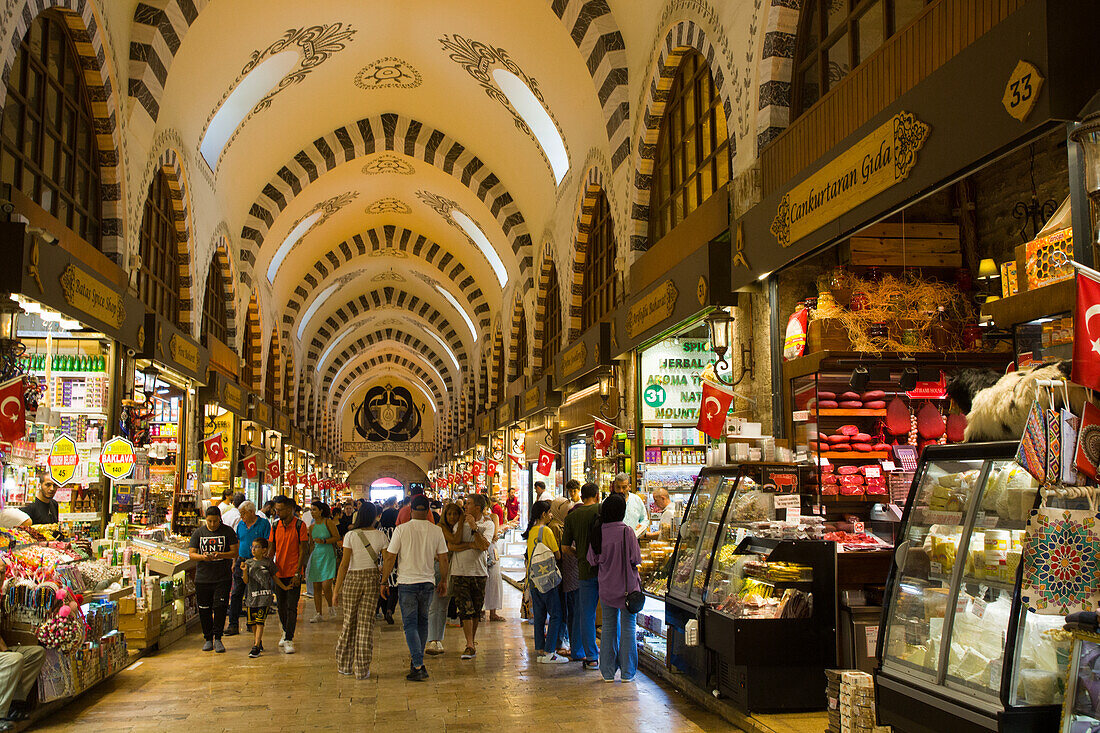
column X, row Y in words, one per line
column 357, row 586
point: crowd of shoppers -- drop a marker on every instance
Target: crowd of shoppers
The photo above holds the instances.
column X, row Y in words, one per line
column 434, row 561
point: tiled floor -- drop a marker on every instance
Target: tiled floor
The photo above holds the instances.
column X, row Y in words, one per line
column 502, row 690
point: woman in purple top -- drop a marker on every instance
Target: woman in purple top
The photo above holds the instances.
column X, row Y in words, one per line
column 613, row 550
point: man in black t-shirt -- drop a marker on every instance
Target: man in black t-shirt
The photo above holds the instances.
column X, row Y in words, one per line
column 43, row 510
column 213, row 545
column 387, row 522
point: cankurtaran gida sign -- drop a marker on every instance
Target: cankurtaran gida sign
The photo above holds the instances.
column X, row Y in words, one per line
column 387, row 413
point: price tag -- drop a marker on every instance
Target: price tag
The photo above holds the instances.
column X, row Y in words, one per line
column 872, row 472
column 800, row 415
column 791, row 504
column 935, row 568
column 977, row 605
column 821, row 460
column 889, row 466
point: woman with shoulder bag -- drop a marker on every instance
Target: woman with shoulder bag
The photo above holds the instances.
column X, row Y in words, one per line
column 543, row 578
column 613, row 550
column 358, row 584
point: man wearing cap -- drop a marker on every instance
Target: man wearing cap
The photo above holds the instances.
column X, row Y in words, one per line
column 405, row 514
column 419, row 544
column 213, row 545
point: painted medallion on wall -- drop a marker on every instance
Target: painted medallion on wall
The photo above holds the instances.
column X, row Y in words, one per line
column 387, row 413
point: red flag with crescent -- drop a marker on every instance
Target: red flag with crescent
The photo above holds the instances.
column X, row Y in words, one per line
column 546, row 462
column 251, row 466
column 602, row 435
column 215, row 453
column 477, row 468
column 13, row 417
column 1086, row 337
column 492, row 467
column 712, row 411
column 272, row 472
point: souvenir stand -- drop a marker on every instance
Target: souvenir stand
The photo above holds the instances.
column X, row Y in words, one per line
column 167, row 372
column 222, row 408
column 65, row 323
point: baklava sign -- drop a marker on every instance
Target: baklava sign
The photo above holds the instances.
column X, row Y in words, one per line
column 117, row 458
column 871, row 166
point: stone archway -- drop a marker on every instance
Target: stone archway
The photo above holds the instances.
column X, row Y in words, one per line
column 388, row 466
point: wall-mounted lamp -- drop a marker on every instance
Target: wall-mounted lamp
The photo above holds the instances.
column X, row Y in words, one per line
column 720, row 325
column 249, row 434
column 608, row 383
column 149, row 381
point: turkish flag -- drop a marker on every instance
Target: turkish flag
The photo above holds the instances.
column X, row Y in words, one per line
column 478, row 467
column 214, row 451
column 251, row 466
column 272, row 472
column 712, row 411
column 1086, row 336
column 13, row 417
column 291, row 477
column 517, row 459
column 546, row 461
column 602, row 435
column 492, row 467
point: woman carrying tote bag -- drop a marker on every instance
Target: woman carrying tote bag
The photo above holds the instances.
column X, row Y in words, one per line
column 613, row 550
column 543, row 578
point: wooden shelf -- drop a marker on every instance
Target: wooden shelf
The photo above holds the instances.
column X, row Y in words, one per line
column 839, row 412
column 1032, row 304
column 854, row 499
column 872, row 455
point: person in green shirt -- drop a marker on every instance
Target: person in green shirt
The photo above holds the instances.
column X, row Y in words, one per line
column 574, row 541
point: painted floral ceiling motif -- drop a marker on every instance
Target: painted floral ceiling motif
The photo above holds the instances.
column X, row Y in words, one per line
column 389, row 205
column 388, row 72
column 388, row 163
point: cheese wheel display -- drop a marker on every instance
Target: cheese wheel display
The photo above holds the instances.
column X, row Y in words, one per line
column 833, row 439
column 851, row 405
column 823, row 395
column 930, row 422
column 862, row 447
column 850, row 396
column 874, row 405
column 861, row 438
column 848, row 430
column 874, row 394
column 827, row 404
column 897, row 417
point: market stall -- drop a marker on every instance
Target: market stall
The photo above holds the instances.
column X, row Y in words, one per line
column 539, row 411
column 222, row 407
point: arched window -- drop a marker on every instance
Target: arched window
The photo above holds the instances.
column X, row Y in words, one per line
column 551, row 325
column 48, row 145
column 288, row 393
column 501, row 371
column 483, row 386
column 519, row 365
column 598, row 289
column 692, row 159
column 249, row 355
column 159, row 277
column 836, row 36
column 215, row 314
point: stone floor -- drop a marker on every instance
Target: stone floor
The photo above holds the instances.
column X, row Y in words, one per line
column 503, row 689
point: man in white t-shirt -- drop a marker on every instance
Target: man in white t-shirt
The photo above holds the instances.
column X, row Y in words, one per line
column 419, row 544
column 232, row 515
column 11, row 517
column 470, row 570
column 542, row 493
column 637, row 518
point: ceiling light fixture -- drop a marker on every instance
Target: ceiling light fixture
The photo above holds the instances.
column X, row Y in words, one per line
column 538, row 120
column 473, row 231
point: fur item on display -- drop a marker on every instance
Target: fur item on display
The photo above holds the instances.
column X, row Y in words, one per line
column 965, row 383
column 1000, row 412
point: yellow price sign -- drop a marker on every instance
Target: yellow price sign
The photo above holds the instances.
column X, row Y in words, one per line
column 117, row 458
column 63, row 459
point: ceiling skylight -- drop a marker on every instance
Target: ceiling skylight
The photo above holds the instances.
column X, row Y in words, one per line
column 451, row 299
column 529, row 107
column 240, row 102
column 473, row 231
column 317, row 303
column 454, row 359
column 291, row 239
column 336, row 341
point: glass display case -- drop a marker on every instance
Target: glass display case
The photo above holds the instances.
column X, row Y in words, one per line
column 959, row 651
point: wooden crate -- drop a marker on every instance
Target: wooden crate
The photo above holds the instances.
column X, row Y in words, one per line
column 911, row 245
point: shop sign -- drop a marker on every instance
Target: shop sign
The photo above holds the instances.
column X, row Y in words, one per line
column 183, row 352
column 90, row 295
column 117, row 458
column 573, row 359
column 672, row 379
column 871, row 166
column 263, row 413
column 63, row 459
column 504, row 413
column 1022, row 90
column 530, row 400
column 656, row 306
column 232, row 397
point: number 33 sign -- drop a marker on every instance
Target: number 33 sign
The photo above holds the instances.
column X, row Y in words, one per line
column 1022, row 90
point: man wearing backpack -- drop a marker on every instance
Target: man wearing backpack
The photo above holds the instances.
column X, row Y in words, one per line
column 289, row 541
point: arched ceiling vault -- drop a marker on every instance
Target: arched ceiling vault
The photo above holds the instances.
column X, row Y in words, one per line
column 384, row 190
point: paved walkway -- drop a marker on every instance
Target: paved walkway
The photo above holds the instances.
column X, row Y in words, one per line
column 183, row 689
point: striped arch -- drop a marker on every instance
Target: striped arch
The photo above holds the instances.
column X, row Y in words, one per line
column 395, row 360
column 367, row 136
column 252, row 354
column 498, row 355
column 171, row 165
column 540, row 309
column 519, row 323
column 89, row 40
column 160, row 27
column 393, row 336
column 586, row 212
column 287, row 393
column 270, row 369
column 681, row 37
column 379, row 298
column 408, row 359
column 224, row 264
column 383, row 241
column 483, row 394
column 776, row 69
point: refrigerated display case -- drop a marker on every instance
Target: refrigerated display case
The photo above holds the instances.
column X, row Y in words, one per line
column 959, row 650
